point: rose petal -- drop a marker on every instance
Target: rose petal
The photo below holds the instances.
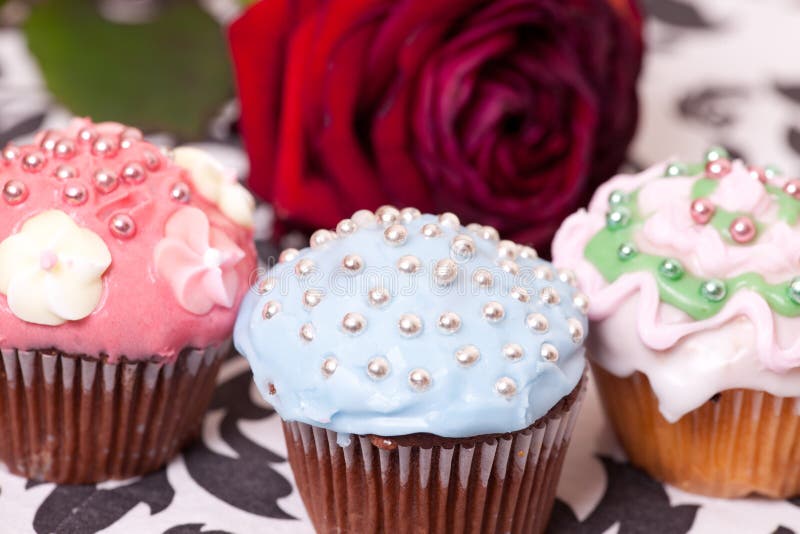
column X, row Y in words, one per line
column 393, row 139
column 301, row 192
column 428, row 113
column 258, row 41
column 346, row 162
column 411, row 24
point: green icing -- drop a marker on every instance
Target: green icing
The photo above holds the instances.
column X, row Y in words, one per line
column 704, row 187
column 683, row 291
column 788, row 206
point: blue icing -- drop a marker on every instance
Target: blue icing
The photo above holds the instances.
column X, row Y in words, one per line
column 460, row 401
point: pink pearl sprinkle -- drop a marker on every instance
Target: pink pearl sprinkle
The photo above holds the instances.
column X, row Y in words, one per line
column 132, row 133
column 33, row 162
column 65, row 172
column 49, row 140
column 122, row 226
column 743, row 230
column 64, row 149
column 130, row 137
column 181, row 192
column 134, row 172
column 151, row 161
column 718, row 168
column 75, row 194
column 105, row 146
column 11, row 153
column 15, row 192
column 792, row 187
column 702, row 210
column 757, row 173
column 87, row 135
column 105, row 181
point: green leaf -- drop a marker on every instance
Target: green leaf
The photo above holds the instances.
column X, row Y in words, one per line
column 169, row 74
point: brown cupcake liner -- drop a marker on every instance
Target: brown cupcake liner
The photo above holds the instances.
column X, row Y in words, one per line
column 76, row 419
column 738, row 443
column 427, row 484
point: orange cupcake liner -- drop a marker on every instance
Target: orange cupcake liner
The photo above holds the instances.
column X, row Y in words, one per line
column 427, row 484
column 738, row 443
column 77, row 419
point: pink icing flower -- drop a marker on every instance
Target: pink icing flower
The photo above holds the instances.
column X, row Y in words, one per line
column 198, row 262
column 740, row 192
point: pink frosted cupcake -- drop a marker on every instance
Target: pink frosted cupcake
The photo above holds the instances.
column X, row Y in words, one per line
column 121, row 269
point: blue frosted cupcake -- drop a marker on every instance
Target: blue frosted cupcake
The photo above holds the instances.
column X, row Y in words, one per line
column 428, row 374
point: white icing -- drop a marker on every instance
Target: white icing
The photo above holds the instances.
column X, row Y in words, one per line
column 217, row 184
column 696, row 368
column 51, row 269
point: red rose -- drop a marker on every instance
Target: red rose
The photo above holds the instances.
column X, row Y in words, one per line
column 506, row 112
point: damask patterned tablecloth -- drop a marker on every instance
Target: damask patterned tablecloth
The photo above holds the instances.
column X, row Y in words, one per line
column 717, row 72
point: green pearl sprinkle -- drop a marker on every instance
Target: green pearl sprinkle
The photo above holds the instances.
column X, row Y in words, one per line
column 671, row 269
column 626, row 251
column 794, row 290
column 713, row 290
column 676, row 169
column 716, row 152
column 771, row 171
column 617, row 197
column 618, row 218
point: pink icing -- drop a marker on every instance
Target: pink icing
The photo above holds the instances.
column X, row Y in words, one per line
column 775, row 254
column 153, row 305
column 670, row 231
column 199, row 262
column 48, row 260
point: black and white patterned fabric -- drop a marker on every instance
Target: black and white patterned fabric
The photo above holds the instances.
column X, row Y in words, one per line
column 718, row 71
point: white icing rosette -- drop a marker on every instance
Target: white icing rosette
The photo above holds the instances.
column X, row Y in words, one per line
column 51, row 270
column 217, row 184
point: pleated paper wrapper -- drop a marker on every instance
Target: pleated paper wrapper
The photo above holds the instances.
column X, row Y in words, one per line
column 78, row 419
column 738, row 443
column 501, row 483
